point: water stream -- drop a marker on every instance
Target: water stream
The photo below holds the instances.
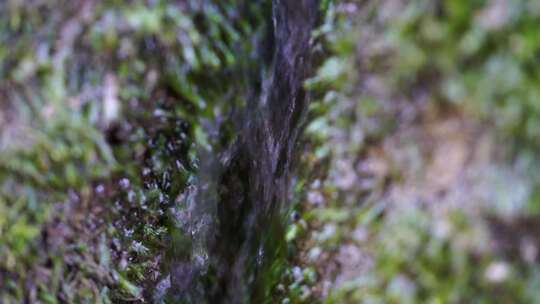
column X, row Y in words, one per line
column 231, row 221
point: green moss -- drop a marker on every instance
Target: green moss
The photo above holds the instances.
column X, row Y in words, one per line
column 418, row 261
column 481, row 54
column 415, row 255
column 107, row 103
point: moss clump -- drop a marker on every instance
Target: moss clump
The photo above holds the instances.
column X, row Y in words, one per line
column 390, row 66
column 105, row 107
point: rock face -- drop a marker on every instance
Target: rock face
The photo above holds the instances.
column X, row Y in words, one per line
column 235, row 217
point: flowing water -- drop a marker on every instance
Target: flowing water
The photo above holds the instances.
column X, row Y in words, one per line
column 231, row 220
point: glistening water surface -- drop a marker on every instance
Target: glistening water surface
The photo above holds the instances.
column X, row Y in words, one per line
column 231, row 223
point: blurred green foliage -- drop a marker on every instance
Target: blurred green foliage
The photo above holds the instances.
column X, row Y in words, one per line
column 422, row 258
column 475, row 56
column 478, row 54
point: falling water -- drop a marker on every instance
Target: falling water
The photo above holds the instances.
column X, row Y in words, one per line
column 230, row 222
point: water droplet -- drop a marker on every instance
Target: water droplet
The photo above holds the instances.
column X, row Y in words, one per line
column 124, row 183
column 100, row 189
column 146, row 171
column 260, row 255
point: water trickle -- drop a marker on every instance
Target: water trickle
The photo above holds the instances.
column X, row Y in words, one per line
column 229, row 223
